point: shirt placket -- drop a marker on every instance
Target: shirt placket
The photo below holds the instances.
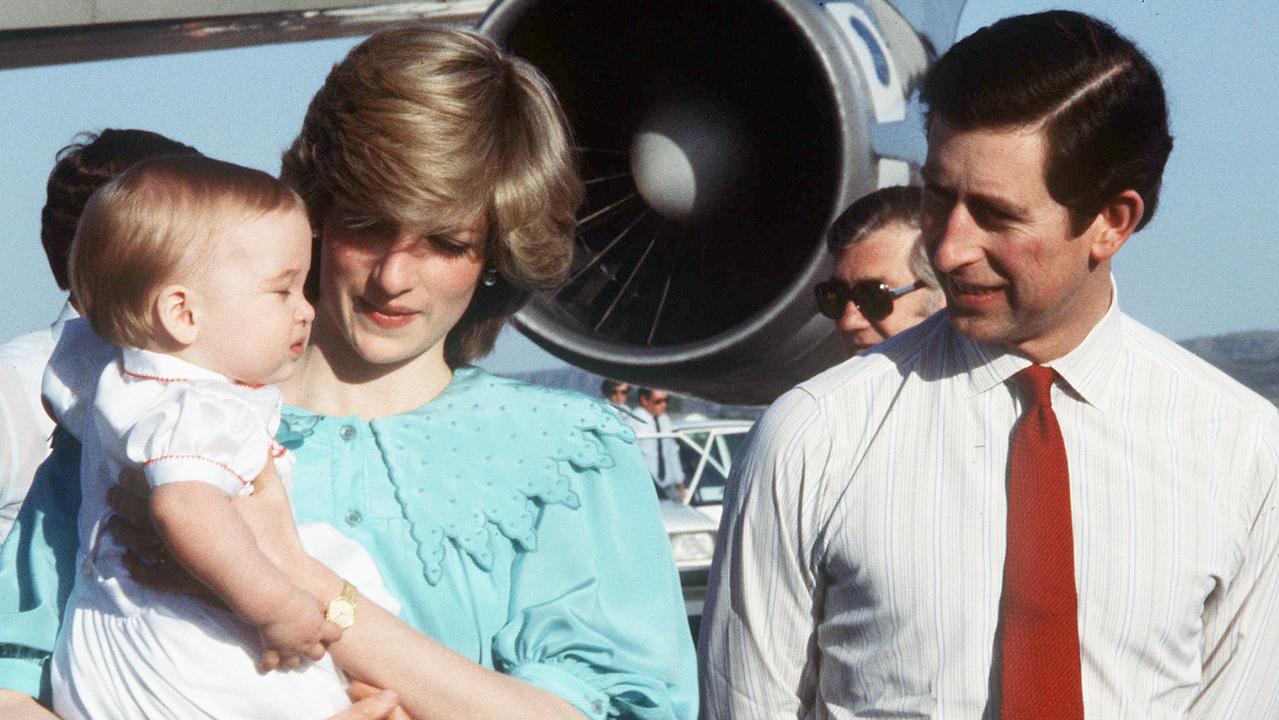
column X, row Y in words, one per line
column 350, row 485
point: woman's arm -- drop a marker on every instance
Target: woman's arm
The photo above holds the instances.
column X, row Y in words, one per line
column 17, row 706
column 374, row 706
column 432, row 680
column 597, row 614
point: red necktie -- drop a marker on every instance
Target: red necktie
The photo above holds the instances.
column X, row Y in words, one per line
column 1038, row 614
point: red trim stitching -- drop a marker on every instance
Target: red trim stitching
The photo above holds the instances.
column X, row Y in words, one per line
column 233, row 473
column 158, row 378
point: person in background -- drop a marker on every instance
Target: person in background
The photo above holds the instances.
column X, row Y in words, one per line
column 25, row 428
column 617, row 392
column 1030, row 505
column 883, row 283
column 661, row 453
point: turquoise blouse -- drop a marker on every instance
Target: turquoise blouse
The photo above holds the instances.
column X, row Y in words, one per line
column 517, row 525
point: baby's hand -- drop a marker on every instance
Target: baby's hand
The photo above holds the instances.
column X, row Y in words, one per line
column 300, row 630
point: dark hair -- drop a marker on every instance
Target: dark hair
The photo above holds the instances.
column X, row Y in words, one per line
column 871, row 212
column 1099, row 98
column 647, row 392
column 609, row 386
column 89, row 162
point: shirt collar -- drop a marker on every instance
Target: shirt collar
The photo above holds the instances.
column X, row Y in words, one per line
column 1086, row 369
column 148, row 365
column 68, row 313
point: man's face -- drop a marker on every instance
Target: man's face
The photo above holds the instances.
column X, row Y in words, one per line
column 1012, row 269
column 655, row 404
column 619, row 394
column 883, row 255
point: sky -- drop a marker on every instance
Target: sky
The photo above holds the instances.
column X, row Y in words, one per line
column 1205, row 264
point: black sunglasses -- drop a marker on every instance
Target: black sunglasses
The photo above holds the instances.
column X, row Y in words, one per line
column 874, row 299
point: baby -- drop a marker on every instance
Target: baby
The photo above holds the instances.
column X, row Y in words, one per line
column 190, row 270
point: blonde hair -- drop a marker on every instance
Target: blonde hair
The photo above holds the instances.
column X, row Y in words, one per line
column 153, row 224
column 433, row 127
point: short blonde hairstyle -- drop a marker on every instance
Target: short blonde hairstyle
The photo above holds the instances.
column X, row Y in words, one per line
column 152, row 225
column 433, row 127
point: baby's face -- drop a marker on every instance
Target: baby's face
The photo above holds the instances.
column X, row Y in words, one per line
column 254, row 321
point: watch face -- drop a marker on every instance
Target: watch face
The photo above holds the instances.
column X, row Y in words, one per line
column 341, row 613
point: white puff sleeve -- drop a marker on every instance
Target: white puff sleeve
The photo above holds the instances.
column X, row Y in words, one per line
column 205, row 431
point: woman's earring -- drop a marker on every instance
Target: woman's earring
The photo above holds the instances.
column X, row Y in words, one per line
column 490, row 276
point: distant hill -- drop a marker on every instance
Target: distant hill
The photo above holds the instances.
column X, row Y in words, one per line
column 1251, row 357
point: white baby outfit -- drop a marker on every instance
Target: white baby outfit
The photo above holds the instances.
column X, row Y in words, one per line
column 125, row 650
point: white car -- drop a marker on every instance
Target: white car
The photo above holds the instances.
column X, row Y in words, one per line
column 707, row 451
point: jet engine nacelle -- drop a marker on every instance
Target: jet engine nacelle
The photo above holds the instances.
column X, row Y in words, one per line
column 717, row 141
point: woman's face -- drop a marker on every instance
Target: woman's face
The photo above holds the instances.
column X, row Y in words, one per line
column 390, row 291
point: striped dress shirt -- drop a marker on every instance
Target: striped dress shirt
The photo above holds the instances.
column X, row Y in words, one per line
column 860, row 560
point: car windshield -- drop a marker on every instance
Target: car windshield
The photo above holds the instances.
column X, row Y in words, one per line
column 719, row 463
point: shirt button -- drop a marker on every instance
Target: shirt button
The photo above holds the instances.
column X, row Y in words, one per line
column 86, row 569
column 598, row 707
column 347, row 432
column 353, row 517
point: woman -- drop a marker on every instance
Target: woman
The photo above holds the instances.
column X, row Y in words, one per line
column 514, row 523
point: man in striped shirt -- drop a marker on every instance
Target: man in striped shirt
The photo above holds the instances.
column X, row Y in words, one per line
column 861, row 565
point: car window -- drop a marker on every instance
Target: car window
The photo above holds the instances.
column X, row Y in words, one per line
column 719, row 464
column 691, row 448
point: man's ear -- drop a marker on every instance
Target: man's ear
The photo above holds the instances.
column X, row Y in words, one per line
column 175, row 312
column 1115, row 223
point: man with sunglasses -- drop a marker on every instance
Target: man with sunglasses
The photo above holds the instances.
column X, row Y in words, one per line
column 1030, row 505
column 616, row 393
column 660, row 453
column 883, row 283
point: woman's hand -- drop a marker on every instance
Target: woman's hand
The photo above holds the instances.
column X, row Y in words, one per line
column 372, row 703
column 145, row 555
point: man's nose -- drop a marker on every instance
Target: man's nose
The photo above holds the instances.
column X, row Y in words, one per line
column 951, row 239
column 852, row 319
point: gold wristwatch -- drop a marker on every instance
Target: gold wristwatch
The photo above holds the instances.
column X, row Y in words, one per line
column 341, row 610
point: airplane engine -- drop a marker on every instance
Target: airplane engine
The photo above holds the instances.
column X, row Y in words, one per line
column 717, row 141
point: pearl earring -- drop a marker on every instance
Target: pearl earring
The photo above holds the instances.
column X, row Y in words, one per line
column 490, row 276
